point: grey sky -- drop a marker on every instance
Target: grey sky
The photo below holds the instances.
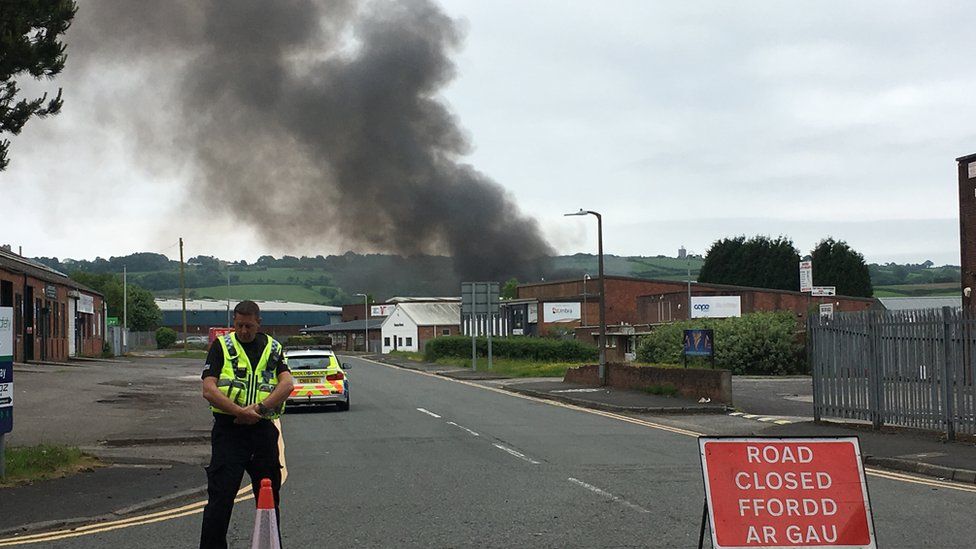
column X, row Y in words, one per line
column 682, row 122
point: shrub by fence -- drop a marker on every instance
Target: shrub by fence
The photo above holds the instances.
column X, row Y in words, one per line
column 165, row 337
column 757, row 343
column 524, row 348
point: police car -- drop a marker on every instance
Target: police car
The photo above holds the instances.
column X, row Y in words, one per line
column 319, row 379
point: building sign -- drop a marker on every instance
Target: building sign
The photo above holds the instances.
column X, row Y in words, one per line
column 823, row 291
column 6, row 370
column 972, row 170
column 560, row 312
column 716, row 306
column 786, row 492
column 216, row 333
column 51, row 291
column 806, row 276
column 533, row 313
column 827, row 310
column 111, row 321
column 698, row 343
column 381, row 310
column 86, row 304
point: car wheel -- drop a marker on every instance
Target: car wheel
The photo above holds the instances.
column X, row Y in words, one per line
column 344, row 406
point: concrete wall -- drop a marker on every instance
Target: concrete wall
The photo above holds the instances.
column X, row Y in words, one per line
column 691, row 383
column 662, row 308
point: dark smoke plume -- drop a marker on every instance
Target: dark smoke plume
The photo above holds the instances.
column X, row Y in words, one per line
column 320, row 119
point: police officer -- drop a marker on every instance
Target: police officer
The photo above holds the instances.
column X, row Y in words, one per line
column 246, row 380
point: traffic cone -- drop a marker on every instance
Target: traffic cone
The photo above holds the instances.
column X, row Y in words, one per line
column 265, row 522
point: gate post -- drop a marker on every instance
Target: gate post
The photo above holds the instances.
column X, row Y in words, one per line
column 874, row 372
column 948, row 408
column 813, row 365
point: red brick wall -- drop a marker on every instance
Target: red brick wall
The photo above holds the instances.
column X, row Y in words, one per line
column 691, row 383
column 426, row 333
column 55, row 346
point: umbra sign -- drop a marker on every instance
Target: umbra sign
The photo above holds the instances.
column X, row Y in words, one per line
column 786, row 492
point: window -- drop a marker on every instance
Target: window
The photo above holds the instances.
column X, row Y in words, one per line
column 386, row 342
column 409, row 341
column 399, row 340
column 446, row 331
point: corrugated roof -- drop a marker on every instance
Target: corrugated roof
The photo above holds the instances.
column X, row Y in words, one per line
column 433, row 314
column 402, row 299
column 221, row 305
column 914, row 303
column 350, row 326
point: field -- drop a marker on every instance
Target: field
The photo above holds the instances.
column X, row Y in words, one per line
column 917, row 290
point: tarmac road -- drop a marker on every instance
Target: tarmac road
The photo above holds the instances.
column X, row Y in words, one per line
column 424, row 461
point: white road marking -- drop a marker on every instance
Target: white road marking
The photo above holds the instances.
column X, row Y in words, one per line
column 750, row 416
column 735, row 413
column 608, row 495
column 463, row 427
column 428, row 412
column 519, row 455
column 764, row 419
column 577, row 390
column 659, row 426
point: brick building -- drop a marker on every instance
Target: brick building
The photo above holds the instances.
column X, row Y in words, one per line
column 634, row 305
column 54, row 316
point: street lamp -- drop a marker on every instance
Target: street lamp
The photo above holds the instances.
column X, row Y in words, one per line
column 585, row 278
column 603, row 314
column 366, row 307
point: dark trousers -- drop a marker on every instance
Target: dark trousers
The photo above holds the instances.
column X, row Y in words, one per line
column 235, row 449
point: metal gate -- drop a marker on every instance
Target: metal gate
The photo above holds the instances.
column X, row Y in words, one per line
column 906, row 368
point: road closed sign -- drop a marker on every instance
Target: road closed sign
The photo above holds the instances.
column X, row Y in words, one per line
column 786, row 492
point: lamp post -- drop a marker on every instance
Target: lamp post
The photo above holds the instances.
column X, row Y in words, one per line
column 366, row 307
column 585, row 278
column 603, row 313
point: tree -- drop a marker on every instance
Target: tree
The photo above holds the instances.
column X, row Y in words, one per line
column 510, row 289
column 29, row 43
column 143, row 313
column 759, row 262
column 836, row 264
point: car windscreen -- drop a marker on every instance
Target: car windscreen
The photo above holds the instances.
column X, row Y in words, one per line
column 309, row 362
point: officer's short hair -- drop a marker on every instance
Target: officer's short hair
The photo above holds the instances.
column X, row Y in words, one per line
column 247, row 307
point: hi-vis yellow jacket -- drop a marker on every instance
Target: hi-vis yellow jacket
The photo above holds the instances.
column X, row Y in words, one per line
column 243, row 383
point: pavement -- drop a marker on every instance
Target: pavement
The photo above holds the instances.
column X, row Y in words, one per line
column 145, row 419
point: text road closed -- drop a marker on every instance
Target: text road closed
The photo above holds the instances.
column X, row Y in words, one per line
column 797, row 492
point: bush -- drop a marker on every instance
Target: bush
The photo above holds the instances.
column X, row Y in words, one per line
column 757, row 343
column 525, row 348
column 307, row 340
column 165, row 337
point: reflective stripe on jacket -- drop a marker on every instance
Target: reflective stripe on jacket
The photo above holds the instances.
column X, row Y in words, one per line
column 243, row 383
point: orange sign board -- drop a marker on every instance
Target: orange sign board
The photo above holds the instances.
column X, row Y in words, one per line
column 219, row 332
column 786, row 492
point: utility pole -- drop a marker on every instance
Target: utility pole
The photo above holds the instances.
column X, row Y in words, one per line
column 228, row 294
column 183, row 292
column 125, row 311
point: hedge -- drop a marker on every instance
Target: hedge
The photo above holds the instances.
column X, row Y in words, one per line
column 757, row 343
column 525, row 348
column 306, row 340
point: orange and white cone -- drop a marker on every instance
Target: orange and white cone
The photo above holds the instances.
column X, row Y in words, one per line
column 265, row 522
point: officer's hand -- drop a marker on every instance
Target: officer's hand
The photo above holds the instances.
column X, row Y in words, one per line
column 248, row 416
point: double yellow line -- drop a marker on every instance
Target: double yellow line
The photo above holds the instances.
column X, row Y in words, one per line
column 243, row 494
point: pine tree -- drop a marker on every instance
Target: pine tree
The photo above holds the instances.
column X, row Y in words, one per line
column 30, row 33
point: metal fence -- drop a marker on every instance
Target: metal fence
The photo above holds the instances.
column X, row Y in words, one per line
column 906, row 368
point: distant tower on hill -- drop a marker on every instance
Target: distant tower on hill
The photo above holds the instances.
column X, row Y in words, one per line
column 682, row 253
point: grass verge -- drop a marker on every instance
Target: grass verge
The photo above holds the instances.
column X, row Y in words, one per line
column 202, row 355
column 663, row 390
column 27, row 464
column 514, row 368
column 416, row 357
